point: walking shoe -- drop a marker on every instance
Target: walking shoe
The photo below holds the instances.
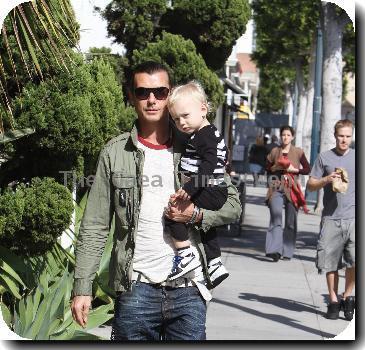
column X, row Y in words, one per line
column 333, row 311
column 348, row 307
column 182, row 265
column 274, row 256
column 217, row 272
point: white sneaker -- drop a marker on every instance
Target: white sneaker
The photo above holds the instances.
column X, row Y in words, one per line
column 182, row 265
column 217, row 272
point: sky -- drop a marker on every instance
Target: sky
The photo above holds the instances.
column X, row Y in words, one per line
column 93, row 31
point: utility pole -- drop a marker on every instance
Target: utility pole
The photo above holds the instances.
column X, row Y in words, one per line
column 317, row 102
column 317, row 107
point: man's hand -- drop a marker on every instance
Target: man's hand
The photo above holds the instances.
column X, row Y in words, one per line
column 180, row 210
column 181, row 194
column 80, row 307
column 316, row 184
column 331, row 177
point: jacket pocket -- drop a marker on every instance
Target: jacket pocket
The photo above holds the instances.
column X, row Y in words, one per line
column 123, row 197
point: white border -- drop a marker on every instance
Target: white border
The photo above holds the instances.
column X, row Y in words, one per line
column 7, row 5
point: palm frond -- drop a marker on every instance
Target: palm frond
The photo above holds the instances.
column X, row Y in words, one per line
column 35, row 36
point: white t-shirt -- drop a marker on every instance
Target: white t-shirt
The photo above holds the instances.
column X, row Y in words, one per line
column 154, row 249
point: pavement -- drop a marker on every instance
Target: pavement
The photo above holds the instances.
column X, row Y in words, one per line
column 263, row 300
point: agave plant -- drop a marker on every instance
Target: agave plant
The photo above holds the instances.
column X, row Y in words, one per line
column 40, row 305
column 35, row 292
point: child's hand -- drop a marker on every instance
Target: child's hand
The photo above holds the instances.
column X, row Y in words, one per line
column 182, row 194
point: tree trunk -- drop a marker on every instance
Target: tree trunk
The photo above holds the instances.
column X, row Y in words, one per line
column 333, row 26
column 289, row 104
column 332, row 75
column 302, row 104
column 308, row 121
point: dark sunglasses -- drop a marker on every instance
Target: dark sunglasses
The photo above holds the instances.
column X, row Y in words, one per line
column 143, row 93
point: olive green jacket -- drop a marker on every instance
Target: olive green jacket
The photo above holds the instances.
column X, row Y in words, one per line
column 117, row 189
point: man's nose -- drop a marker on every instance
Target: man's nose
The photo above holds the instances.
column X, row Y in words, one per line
column 151, row 98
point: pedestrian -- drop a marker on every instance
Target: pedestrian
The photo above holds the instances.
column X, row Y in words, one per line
column 274, row 143
column 334, row 171
column 202, row 166
column 284, row 164
column 136, row 174
column 257, row 159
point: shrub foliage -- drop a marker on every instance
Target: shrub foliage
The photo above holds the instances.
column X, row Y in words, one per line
column 33, row 217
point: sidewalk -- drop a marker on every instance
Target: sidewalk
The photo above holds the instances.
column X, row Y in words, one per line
column 263, row 300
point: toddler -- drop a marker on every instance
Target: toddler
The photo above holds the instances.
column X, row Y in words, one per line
column 202, row 169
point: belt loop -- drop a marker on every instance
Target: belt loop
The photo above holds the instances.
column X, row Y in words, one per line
column 139, row 277
column 186, row 282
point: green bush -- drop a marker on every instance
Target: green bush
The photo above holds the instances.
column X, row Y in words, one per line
column 34, row 216
column 74, row 115
column 11, row 212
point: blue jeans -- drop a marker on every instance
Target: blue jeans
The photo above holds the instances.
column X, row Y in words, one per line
column 148, row 312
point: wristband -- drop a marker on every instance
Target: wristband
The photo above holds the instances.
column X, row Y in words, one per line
column 195, row 214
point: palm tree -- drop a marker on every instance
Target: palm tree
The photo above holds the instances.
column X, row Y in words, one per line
column 35, row 37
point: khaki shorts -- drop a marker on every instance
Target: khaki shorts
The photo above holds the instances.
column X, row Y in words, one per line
column 336, row 245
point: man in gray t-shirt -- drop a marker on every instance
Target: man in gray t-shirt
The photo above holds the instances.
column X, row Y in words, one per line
column 337, row 235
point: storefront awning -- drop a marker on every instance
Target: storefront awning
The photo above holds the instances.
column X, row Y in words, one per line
column 270, row 120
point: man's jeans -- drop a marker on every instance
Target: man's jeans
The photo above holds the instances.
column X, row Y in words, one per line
column 148, row 312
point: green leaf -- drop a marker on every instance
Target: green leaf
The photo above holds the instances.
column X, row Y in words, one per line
column 53, row 326
column 41, row 315
column 6, row 314
column 5, row 267
column 36, row 300
column 67, row 322
column 12, row 259
column 29, row 311
column 18, row 327
column 30, row 48
column 10, row 285
column 66, row 333
column 12, row 135
column 70, row 256
column 13, row 21
column 58, row 302
column 80, row 335
column 22, row 315
column 43, row 333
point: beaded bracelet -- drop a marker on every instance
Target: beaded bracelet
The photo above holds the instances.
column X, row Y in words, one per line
column 194, row 216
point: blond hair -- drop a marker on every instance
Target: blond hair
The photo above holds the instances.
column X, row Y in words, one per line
column 344, row 123
column 192, row 89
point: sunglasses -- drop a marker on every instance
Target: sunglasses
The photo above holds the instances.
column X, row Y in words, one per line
column 143, row 93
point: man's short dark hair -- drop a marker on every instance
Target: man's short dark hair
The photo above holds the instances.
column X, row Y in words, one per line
column 148, row 67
